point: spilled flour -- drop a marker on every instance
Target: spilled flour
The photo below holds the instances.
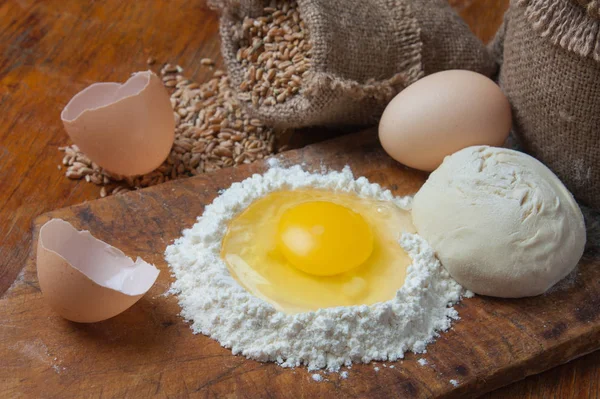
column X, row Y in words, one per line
column 217, row 306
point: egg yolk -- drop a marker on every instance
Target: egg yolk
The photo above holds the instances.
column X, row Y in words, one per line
column 303, row 250
column 324, row 239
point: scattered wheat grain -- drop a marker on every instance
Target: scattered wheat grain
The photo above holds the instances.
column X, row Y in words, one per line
column 212, row 132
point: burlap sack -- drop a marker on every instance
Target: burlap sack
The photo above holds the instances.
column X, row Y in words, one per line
column 551, row 75
column 364, row 53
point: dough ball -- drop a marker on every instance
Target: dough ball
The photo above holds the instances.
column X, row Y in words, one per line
column 500, row 221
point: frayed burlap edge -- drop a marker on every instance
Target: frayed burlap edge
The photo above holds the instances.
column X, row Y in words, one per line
column 566, row 24
column 381, row 91
column 591, row 6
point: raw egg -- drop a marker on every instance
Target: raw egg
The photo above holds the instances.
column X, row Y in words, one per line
column 441, row 114
column 128, row 129
column 84, row 279
column 303, row 250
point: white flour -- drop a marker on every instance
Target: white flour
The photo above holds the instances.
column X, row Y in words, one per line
column 217, row 306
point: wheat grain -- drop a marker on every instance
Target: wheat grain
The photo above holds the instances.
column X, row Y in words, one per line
column 275, row 53
column 207, row 62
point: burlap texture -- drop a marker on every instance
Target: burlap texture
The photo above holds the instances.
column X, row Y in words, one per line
column 551, row 75
column 364, row 53
column 592, row 7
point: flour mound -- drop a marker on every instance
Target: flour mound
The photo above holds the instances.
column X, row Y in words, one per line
column 217, row 306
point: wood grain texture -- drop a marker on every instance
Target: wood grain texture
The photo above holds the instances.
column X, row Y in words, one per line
column 51, row 49
column 148, row 349
column 483, row 16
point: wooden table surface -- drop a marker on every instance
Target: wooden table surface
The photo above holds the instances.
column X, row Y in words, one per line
column 51, row 49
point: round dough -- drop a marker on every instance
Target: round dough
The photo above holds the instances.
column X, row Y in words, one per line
column 500, row 221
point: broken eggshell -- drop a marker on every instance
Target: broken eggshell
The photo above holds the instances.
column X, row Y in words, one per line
column 85, row 279
column 128, row 129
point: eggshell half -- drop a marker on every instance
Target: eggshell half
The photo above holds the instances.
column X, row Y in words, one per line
column 442, row 114
column 127, row 128
column 84, row 279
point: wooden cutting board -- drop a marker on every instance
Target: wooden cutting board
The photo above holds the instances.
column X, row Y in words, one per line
column 149, row 351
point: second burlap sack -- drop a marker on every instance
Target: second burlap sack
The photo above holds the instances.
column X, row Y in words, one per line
column 550, row 54
column 363, row 53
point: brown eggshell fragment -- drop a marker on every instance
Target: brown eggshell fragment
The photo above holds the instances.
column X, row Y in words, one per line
column 128, row 129
column 84, row 279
